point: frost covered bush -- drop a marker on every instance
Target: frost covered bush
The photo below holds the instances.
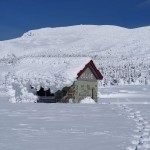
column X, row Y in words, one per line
column 11, row 94
column 125, row 72
column 26, row 96
column 9, row 59
column 18, row 91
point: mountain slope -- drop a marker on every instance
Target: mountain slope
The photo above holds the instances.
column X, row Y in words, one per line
column 105, row 41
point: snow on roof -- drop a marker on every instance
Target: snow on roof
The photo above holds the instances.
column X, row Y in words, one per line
column 51, row 72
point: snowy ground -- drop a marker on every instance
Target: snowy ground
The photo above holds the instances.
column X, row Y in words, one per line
column 62, row 126
column 103, row 126
column 128, row 94
column 135, row 102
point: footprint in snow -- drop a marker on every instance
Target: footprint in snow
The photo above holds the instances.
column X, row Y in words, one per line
column 141, row 140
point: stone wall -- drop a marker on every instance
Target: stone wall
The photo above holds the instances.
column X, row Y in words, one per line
column 84, row 89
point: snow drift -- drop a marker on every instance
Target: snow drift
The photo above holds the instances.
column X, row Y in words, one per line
column 54, row 73
column 87, row 100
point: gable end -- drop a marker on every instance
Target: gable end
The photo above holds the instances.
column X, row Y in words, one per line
column 94, row 70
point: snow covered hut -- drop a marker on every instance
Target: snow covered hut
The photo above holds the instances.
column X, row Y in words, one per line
column 59, row 79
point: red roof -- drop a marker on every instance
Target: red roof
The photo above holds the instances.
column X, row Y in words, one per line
column 91, row 64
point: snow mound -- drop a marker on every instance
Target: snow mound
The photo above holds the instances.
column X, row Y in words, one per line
column 51, row 72
column 87, row 100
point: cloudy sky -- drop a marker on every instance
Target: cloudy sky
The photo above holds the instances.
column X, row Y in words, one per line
column 19, row 16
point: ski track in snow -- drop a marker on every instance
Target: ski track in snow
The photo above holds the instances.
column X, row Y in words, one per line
column 141, row 140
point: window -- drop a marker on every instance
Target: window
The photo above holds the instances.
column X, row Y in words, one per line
column 86, row 75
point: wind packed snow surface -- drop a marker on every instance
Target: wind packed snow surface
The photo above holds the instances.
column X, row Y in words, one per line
column 53, row 72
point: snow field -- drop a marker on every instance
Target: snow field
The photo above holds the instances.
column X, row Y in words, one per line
column 77, row 126
column 127, row 94
column 87, row 100
column 62, row 126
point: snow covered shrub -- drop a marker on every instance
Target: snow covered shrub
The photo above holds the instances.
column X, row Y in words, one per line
column 26, row 96
column 9, row 59
column 11, row 93
column 18, row 90
column 129, row 71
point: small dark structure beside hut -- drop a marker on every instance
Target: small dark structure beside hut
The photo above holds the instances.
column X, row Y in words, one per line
column 45, row 96
column 85, row 85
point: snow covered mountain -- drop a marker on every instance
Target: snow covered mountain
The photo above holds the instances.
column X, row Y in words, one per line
column 104, row 41
column 122, row 55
